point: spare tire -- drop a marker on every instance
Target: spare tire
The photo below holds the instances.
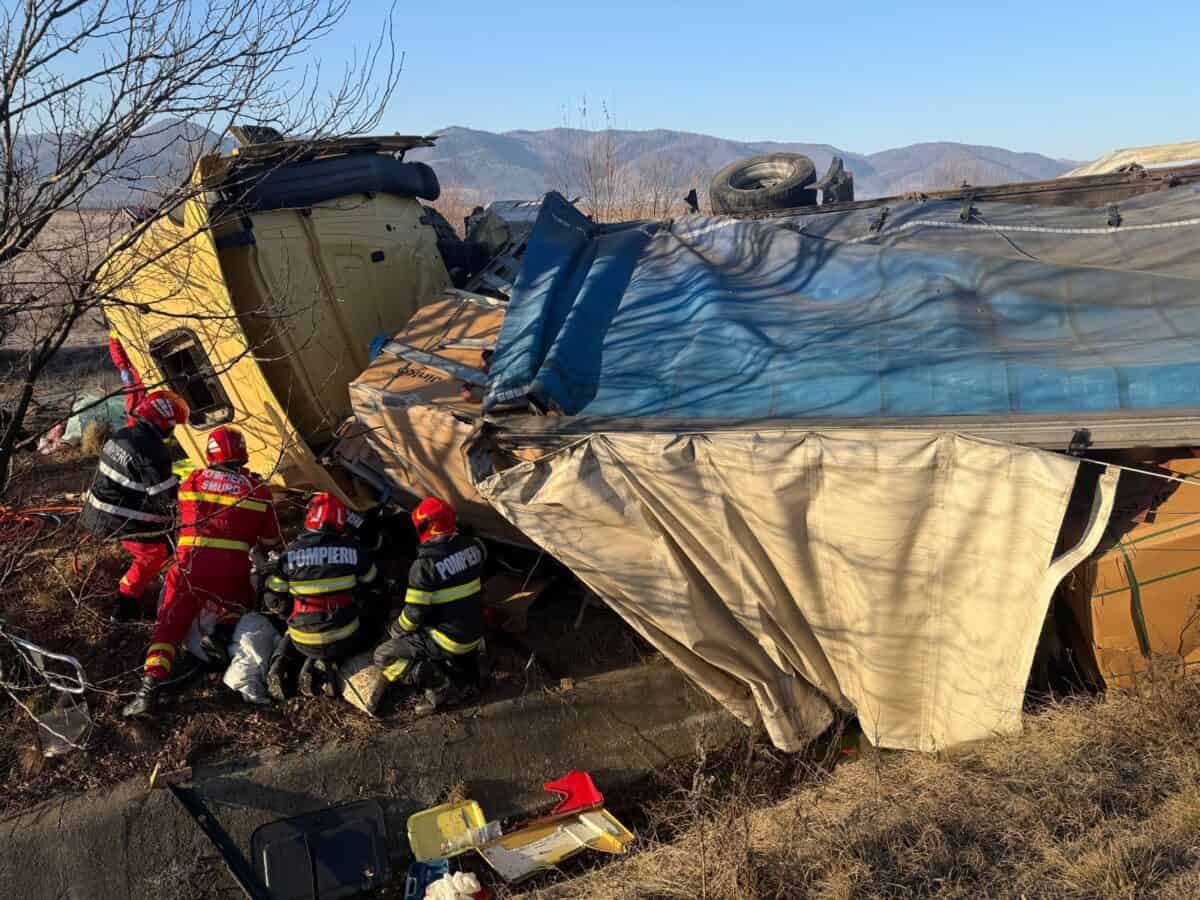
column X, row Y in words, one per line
column 770, row 181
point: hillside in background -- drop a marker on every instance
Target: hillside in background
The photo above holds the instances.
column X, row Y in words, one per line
column 154, row 162
column 525, row 164
column 518, row 164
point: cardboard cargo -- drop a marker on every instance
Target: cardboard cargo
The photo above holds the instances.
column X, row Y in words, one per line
column 1136, row 601
column 419, row 404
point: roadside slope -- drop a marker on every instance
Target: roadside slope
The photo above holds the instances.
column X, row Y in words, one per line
column 133, row 843
column 1098, row 799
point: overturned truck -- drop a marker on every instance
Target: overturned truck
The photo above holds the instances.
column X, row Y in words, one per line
column 867, row 456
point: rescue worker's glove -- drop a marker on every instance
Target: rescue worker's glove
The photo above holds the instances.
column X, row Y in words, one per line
column 395, row 631
column 263, row 565
column 261, row 562
column 275, row 604
column 216, row 647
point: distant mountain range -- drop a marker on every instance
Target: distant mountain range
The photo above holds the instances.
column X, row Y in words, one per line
column 525, row 164
column 155, row 161
column 519, row 164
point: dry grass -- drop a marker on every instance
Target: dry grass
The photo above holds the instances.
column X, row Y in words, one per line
column 56, row 583
column 456, row 203
column 1098, row 799
column 82, row 364
column 58, row 601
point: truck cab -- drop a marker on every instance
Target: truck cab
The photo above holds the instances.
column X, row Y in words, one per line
column 258, row 297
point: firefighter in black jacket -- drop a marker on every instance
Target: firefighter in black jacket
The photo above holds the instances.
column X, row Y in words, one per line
column 133, row 495
column 320, row 588
column 435, row 641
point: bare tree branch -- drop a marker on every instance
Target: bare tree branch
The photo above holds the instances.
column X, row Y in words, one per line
column 161, row 82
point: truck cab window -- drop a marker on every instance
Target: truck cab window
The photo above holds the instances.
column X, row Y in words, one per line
column 187, row 370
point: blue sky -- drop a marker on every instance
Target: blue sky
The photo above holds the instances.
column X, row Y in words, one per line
column 1065, row 79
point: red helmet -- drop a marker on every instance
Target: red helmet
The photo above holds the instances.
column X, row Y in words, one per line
column 325, row 513
column 162, row 409
column 226, row 447
column 433, row 518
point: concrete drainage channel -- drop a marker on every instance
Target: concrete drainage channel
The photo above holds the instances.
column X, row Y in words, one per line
column 130, row 842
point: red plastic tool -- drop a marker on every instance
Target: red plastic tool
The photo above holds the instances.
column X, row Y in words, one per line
column 578, row 793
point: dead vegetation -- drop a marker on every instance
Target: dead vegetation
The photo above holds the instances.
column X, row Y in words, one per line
column 96, row 96
column 56, row 598
column 1100, row 798
column 57, row 582
column 601, row 171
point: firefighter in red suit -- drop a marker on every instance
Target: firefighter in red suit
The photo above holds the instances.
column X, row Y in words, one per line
column 133, row 495
column 225, row 511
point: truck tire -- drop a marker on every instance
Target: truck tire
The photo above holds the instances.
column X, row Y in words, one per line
column 760, row 183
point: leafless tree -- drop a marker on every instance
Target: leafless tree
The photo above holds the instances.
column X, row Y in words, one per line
column 128, row 94
column 600, row 168
column 611, row 185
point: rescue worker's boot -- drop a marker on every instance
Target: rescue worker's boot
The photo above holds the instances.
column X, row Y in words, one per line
column 277, row 678
column 126, row 608
column 329, row 677
column 440, row 690
column 306, row 680
column 143, row 703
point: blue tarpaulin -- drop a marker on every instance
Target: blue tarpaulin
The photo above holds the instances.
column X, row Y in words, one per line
column 709, row 317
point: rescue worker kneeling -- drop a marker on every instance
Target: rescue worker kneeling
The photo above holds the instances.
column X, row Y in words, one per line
column 322, row 588
column 435, row 642
column 224, row 510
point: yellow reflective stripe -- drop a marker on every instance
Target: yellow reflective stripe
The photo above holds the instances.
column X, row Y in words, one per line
column 396, row 669
column 406, row 623
column 445, row 595
column 193, row 540
column 158, row 661
column 183, row 468
column 277, row 584
column 370, row 576
column 166, row 648
column 324, row 585
column 449, row 595
column 449, row 644
column 223, row 500
column 316, row 638
column 418, row 598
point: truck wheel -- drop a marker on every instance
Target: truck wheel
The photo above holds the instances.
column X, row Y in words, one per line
column 770, row 181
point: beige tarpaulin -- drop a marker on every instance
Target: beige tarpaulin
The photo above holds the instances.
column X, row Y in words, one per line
column 903, row 575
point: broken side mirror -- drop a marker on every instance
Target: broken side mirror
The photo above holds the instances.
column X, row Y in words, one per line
column 837, row 185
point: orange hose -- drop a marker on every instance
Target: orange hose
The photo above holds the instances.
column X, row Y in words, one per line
column 28, row 521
